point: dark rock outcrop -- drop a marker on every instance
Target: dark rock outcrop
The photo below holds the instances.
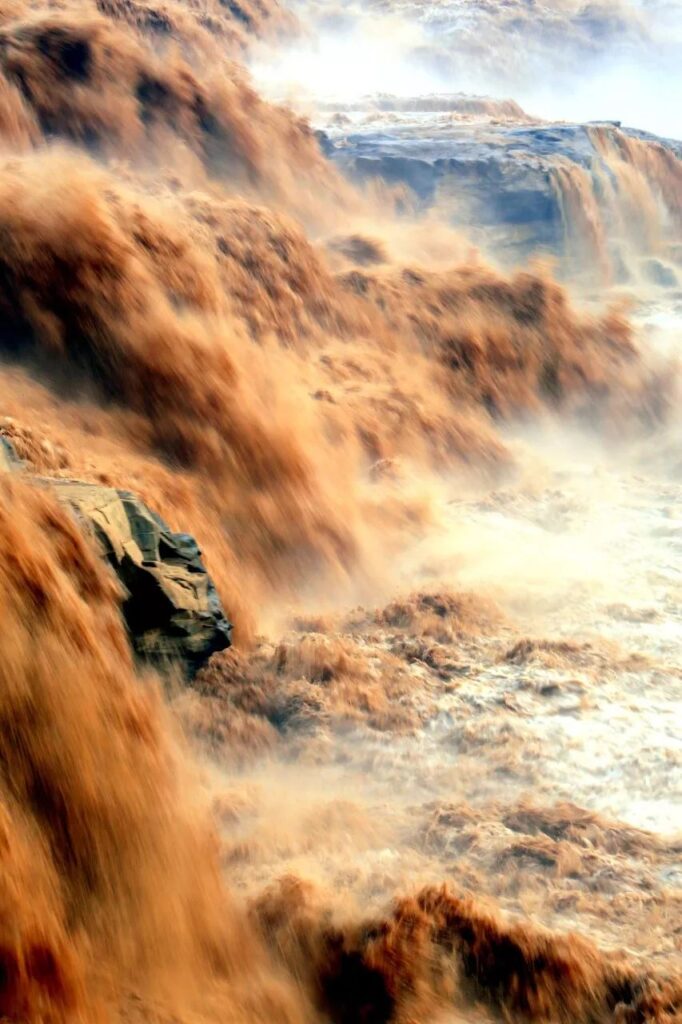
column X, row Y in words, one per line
column 170, row 604
column 171, row 607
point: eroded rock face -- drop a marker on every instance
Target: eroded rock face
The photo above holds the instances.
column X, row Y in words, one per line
column 593, row 195
column 171, row 607
column 170, row 604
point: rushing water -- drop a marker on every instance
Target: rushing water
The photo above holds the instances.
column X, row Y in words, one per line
column 569, row 705
column 447, row 771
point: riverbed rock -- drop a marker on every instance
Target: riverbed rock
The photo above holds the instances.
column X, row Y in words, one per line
column 170, row 604
column 171, row 607
column 522, row 189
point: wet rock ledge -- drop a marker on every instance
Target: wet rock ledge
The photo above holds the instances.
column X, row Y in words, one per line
column 169, row 602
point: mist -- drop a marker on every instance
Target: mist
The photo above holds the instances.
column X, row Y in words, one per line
column 572, row 67
column 427, row 466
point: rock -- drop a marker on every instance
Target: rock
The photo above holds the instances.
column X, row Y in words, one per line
column 170, row 604
column 325, row 143
column 517, row 189
column 9, row 460
column 495, row 182
column 171, row 607
column 660, row 273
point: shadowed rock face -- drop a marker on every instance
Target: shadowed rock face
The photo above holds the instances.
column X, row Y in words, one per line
column 490, row 176
column 514, row 188
column 9, row 460
column 171, row 606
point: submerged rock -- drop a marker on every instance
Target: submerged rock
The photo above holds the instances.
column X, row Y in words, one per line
column 171, row 607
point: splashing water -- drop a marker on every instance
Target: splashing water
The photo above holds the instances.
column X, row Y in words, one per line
column 439, row 776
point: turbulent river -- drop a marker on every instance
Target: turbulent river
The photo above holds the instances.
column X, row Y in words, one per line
column 546, row 771
column 405, row 369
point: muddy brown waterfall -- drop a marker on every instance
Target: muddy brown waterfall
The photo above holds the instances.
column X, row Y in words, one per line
column 434, row 779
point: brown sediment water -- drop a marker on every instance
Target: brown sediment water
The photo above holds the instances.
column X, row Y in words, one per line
column 384, row 804
column 624, row 206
